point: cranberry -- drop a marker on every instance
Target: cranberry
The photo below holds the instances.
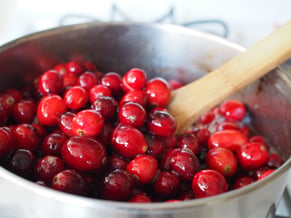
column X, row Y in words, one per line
column 22, row 163
column 26, row 136
column 207, row 183
column 97, row 91
column 50, row 82
column 7, row 102
column 61, row 68
column 166, row 184
column 128, row 141
column 223, row 160
column 6, row 142
column 117, row 162
column 4, row 115
column 186, row 196
column 89, row 66
column 65, row 123
column 105, row 135
column 69, row 80
column 175, row 84
column 70, row 181
column 155, row 145
column 266, row 173
column 207, row 118
column 144, row 167
column 87, row 122
column 132, row 114
column 137, row 96
column 87, row 80
column 158, row 92
column 42, row 131
column 15, row 93
column 84, row 154
column 47, row 167
column 53, row 143
column 140, row 198
column 106, row 106
column 182, row 161
column 233, row 109
column 274, row 161
column 242, row 181
column 161, row 123
column 24, row 111
column 170, row 141
column 259, row 171
column 117, row 186
column 202, row 134
column 76, row 97
column 230, row 139
column 74, row 67
column 259, row 139
column 226, row 125
column 113, row 81
column 134, row 79
column 188, row 141
column 49, row 109
column 252, row 155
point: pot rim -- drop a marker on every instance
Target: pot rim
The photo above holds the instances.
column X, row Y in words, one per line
column 115, row 205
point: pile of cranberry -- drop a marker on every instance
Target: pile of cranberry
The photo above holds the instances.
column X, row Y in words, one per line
column 100, row 135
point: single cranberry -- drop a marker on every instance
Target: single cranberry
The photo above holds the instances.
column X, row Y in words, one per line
column 70, row 181
column 266, row 173
column 259, row 139
column 49, row 110
column 76, row 97
column 24, row 111
column 170, row 141
column 6, row 142
column 175, row 84
column 22, row 163
column 74, row 67
column 134, row 79
column 223, row 160
column 97, row 91
column 231, row 139
column 128, row 141
column 26, row 137
column 4, row 116
column 116, row 162
column 188, row 141
column 53, row 143
column 84, row 154
column 7, row 102
column 259, row 171
column 69, row 80
column 117, row 186
column 113, row 81
column 185, row 196
column 132, row 114
column 144, row 168
column 106, row 106
column 105, row 135
column 233, row 109
column 166, row 184
column 15, row 93
column 65, row 123
column 252, row 155
column 155, row 145
column 50, row 82
column 158, row 92
column 137, row 96
column 42, row 131
column 87, row 80
column 207, row 183
column 226, row 125
column 161, row 123
column 61, row 68
column 140, row 198
column 242, row 181
column 182, row 161
column 274, row 161
column 207, row 118
column 48, row 167
column 202, row 134
column 89, row 66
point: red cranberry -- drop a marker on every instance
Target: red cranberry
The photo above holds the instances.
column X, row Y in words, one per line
column 24, row 111
column 84, row 154
column 259, row 139
column 6, row 142
column 117, row 162
column 188, row 141
column 26, row 137
column 140, row 198
column 186, row 196
column 134, row 79
column 274, row 161
column 166, row 184
column 170, row 141
column 87, row 80
column 53, row 143
column 76, row 97
column 223, row 160
column 155, row 145
column 233, row 109
column 161, row 123
column 207, row 118
column 15, row 93
column 98, row 91
column 65, row 123
column 50, row 82
column 69, row 80
column 252, row 155
column 175, row 84
column 226, row 125
column 113, row 81
column 137, row 96
column 242, row 181
column 74, row 68
column 202, row 134
column 48, row 167
column 266, row 173
column 87, row 122
column 117, row 186
column 106, row 106
column 158, row 92
column 128, row 141
column 7, row 102
column 259, row 171
column 42, row 131
column 4, row 115
column 61, row 68
column 70, row 181
column 49, row 109
column 182, row 161
column 207, row 183
column 230, row 139
column 144, row 167
column 89, row 66
column 105, row 135
column 132, row 114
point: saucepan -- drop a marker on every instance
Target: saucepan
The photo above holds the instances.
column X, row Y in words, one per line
column 171, row 52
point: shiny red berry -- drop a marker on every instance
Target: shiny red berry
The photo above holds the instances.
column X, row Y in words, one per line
column 233, row 109
column 140, row 198
column 266, row 173
column 76, row 97
column 137, row 96
column 188, row 141
column 158, row 92
column 50, row 82
column 6, row 142
column 87, row 80
column 242, row 181
column 113, row 81
column 97, row 91
column 74, row 67
column 166, row 184
column 24, row 111
column 65, row 123
column 53, row 143
column 134, row 79
column 132, row 114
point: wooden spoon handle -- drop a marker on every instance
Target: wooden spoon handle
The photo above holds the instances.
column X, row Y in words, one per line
column 190, row 101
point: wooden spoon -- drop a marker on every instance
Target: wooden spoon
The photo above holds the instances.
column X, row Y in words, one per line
column 192, row 100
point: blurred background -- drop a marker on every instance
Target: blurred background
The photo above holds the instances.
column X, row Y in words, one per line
column 241, row 21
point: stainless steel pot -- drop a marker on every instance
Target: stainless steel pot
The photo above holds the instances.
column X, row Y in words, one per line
column 168, row 51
